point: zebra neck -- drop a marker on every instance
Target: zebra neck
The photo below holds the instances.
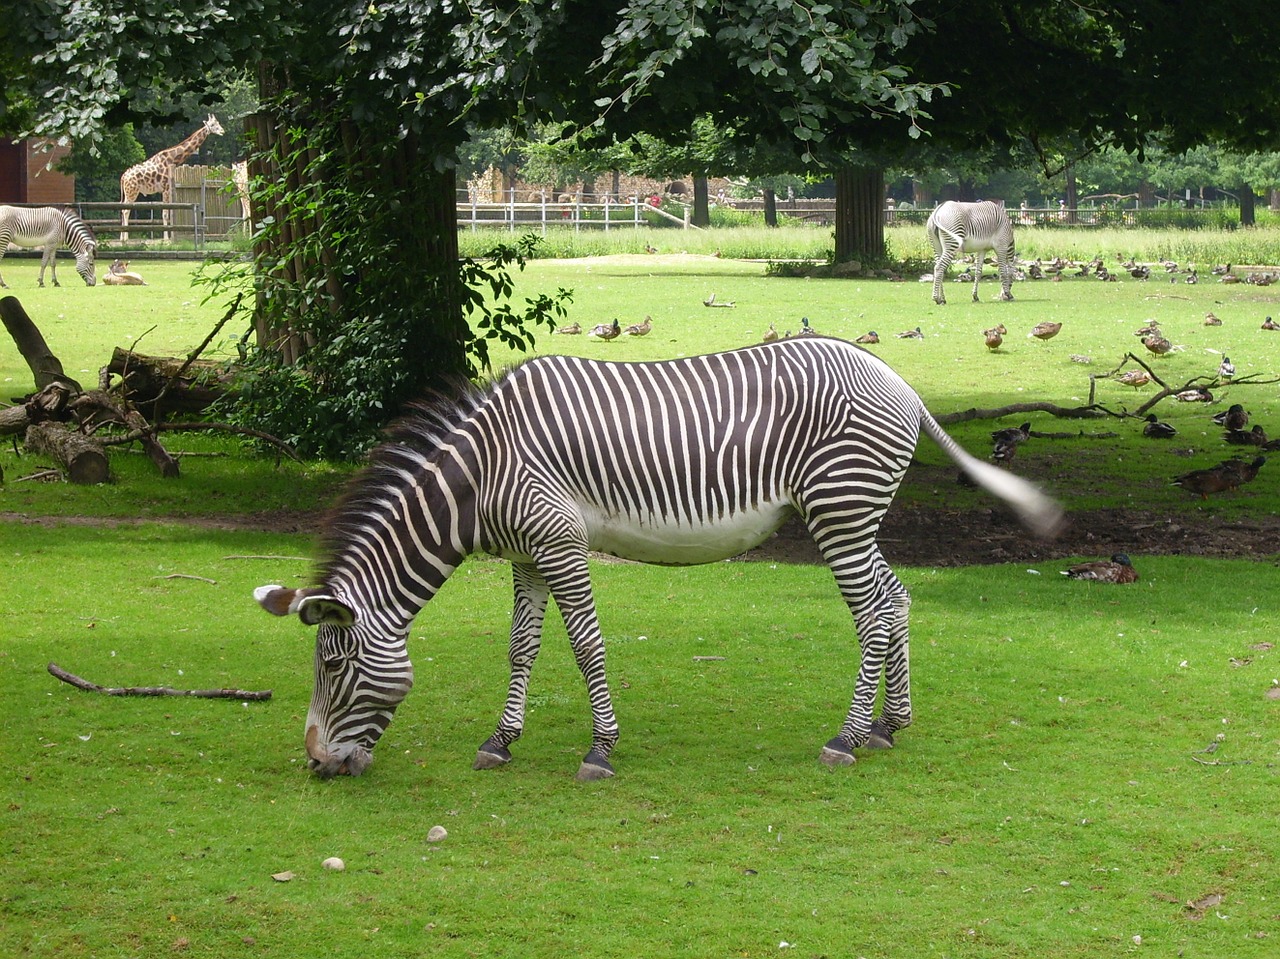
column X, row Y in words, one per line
column 408, row 526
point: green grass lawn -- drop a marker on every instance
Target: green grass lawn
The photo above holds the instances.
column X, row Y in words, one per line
column 1056, row 798
column 1047, row 802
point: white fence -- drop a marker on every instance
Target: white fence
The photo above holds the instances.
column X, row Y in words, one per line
column 604, row 214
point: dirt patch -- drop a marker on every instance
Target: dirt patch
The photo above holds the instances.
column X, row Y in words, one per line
column 930, row 537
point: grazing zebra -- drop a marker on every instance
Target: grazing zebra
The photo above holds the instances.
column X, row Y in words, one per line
column 973, row 228
column 50, row 227
column 678, row 462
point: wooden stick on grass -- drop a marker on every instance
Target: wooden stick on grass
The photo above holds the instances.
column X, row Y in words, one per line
column 76, row 681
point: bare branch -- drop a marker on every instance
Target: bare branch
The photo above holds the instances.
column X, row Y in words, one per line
column 76, row 681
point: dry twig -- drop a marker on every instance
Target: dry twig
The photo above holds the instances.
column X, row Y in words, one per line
column 79, row 683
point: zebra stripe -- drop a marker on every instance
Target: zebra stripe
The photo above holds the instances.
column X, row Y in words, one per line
column 50, row 227
column 973, row 228
column 675, row 462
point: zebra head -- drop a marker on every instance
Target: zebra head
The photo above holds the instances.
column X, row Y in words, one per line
column 84, row 262
column 361, row 678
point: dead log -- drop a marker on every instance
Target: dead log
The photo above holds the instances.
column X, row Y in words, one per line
column 50, row 403
column 79, row 683
column 45, row 367
column 97, row 407
column 81, row 457
column 179, row 384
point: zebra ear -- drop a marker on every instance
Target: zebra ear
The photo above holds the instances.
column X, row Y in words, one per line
column 277, row 600
column 326, row 610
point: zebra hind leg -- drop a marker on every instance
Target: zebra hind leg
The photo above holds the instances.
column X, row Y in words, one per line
column 528, row 612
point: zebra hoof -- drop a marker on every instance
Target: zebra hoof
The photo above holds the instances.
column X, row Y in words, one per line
column 836, row 753
column 880, row 737
column 594, row 766
column 491, row 757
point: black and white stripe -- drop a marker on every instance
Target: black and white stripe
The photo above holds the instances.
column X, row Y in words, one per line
column 52, row 228
column 973, row 228
column 676, row 462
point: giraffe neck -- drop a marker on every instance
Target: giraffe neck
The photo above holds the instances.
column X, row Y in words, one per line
column 177, row 154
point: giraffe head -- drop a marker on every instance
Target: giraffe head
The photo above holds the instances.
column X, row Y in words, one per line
column 213, row 127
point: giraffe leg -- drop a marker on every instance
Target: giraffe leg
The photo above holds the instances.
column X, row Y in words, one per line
column 527, row 616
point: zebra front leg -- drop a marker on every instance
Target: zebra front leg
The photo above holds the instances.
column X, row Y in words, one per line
column 527, row 615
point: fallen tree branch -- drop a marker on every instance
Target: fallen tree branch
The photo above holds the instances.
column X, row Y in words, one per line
column 1066, row 412
column 278, row 443
column 195, row 354
column 76, row 681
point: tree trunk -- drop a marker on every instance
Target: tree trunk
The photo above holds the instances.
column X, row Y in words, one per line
column 770, row 208
column 80, row 456
column 1248, row 215
column 146, row 377
column 45, row 367
column 1072, row 197
column 701, row 202
column 860, row 214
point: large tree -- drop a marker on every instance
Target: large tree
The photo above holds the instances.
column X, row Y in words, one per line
column 366, row 103
column 1064, row 79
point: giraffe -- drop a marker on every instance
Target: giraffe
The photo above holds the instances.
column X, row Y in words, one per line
column 240, row 177
column 155, row 174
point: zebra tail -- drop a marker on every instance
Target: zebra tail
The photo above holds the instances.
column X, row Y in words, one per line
column 1039, row 513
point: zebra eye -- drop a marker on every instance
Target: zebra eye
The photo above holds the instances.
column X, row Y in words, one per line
column 334, row 646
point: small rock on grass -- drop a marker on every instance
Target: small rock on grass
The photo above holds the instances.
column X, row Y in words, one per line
column 334, row 863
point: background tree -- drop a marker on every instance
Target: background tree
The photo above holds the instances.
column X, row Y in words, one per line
column 362, row 303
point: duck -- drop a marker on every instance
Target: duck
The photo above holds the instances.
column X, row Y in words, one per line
column 1045, row 331
column 1215, row 479
column 1134, row 378
column 915, row 334
column 1192, row 277
column 1007, row 441
column 1197, row 394
column 1221, row 270
column 607, row 331
column 640, row 329
column 1158, row 431
column 1226, row 369
column 871, row 337
column 771, row 335
column 1254, row 437
column 1117, row 569
column 1082, row 358
column 1270, row 324
column 1246, row 472
column 1142, row 272
column 1234, row 417
column 1147, row 328
column 805, row 328
column 1157, row 344
column 712, row 301
column 571, row 330
column 650, row 248
column 993, row 339
column 1211, row 319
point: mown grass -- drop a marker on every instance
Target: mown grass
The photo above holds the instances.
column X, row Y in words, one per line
column 1046, row 804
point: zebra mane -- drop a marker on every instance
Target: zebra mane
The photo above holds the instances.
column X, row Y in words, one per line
column 415, row 436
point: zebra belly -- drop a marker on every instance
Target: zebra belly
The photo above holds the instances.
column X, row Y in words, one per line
column 670, row 543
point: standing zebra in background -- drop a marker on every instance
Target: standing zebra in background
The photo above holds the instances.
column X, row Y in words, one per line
column 679, row 462
column 972, row 228
column 50, row 227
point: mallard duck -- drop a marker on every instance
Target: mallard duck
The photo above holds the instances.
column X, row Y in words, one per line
column 1157, row 430
column 805, row 328
column 1134, row 378
column 1215, row 479
column 1141, row 272
column 1006, row 442
column 571, row 330
column 640, row 329
column 1245, row 472
column 1197, row 394
column 1234, row 417
column 1226, row 369
column 1270, row 324
column 1045, row 331
column 915, row 334
column 993, row 339
column 1221, row 270
column 1147, row 328
column 607, row 331
column 1081, row 358
column 771, row 335
column 870, row 337
column 1211, row 319
column 1254, row 437
column 712, row 301
column 648, row 248
column 1118, row 569
column 1157, row 344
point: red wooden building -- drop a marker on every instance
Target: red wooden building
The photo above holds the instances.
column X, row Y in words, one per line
column 28, row 174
